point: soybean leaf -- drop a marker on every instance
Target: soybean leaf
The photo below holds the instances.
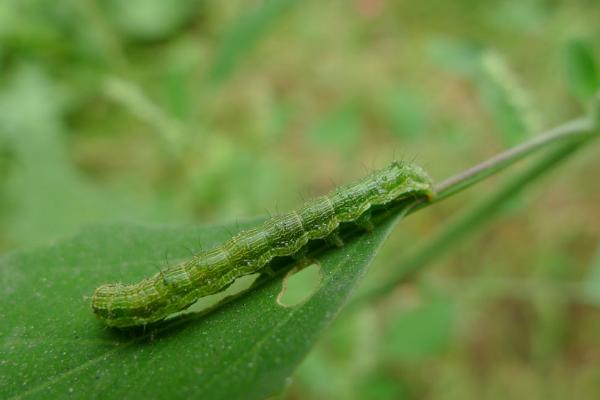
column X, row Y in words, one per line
column 52, row 346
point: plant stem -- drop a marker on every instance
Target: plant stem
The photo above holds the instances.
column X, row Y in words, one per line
column 581, row 129
column 576, row 129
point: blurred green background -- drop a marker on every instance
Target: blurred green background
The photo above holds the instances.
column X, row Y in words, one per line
column 191, row 111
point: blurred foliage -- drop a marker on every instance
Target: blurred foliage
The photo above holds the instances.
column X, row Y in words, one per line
column 197, row 111
column 583, row 71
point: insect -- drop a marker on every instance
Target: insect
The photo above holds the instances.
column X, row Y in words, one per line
column 208, row 272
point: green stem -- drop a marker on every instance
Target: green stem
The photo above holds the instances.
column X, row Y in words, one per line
column 581, row 129
column 577, row 129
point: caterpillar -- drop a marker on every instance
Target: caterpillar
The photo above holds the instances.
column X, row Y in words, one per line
column 211, row 271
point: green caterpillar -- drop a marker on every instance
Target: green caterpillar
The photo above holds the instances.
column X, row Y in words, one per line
column 209, row 272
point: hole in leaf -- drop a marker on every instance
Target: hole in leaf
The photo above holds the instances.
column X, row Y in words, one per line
column 238, row 286
column 300, row 284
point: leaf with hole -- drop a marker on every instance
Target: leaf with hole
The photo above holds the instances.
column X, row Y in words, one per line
column 52, row 346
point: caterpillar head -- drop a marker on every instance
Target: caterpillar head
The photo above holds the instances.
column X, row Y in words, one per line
column 403, row 179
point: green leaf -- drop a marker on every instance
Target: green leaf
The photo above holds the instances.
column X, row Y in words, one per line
column 406, row 112
column 455, row 55
column 592, row 282
column 245, row 34
column 422, row 332
column 150, row 19
column 582, row 70
column 44, row 195
column 52, row 346
column 340, row 128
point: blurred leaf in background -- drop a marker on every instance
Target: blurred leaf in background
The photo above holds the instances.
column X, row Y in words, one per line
column 243, row 35
column 420, row 333
column 583, row 76
column 150, row 19
column 339, row 129
column 407, row 112
column 592, row 283
column 45, row 196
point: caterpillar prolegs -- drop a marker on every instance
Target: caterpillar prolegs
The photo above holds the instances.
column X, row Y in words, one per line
column 211, row 271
